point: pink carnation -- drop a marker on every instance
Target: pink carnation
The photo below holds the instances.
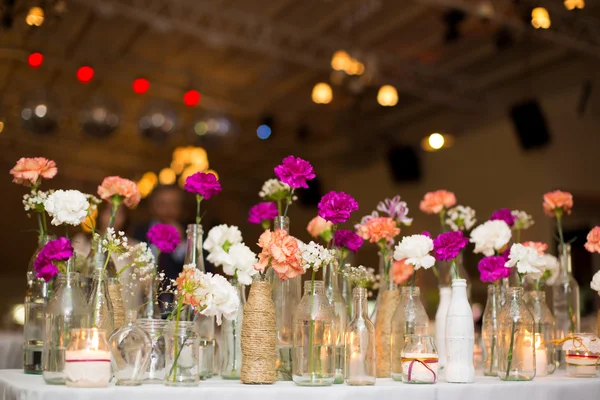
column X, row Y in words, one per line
column 165, row 237
column 317, row 226
column 435, row 202
column 281, row 252
column 29, row 171
column 377, row 229
column 538, row 246
column 593, row 240
column 123, row 188
column 557, row 200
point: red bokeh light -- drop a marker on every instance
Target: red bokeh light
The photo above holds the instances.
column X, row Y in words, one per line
column 141, row 85
column 35, row 60
column 191, row 98
column 85, row 74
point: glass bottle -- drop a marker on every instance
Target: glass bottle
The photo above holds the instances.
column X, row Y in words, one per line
column 36, row 298
column 130, row 347
column 116, row 300
column 409, row 318
column 385, row 264
column 544, row 332
column 565, row 302
column 360, row 343
column 193, row 252
column 340, row 311
column 314, row 338
column 66, row 310
column 94, row 261
column 440, row 324
column 155, row 372
column 516, row 330
column 100, row 304
column 286, row 296
column 181, row 349
column 460, row 336
column 150, row 308
column 489, row 330
column 419, row 359
column 231, row 339
column 87, row 359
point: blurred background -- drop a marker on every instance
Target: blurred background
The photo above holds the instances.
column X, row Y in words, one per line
column 497, row 101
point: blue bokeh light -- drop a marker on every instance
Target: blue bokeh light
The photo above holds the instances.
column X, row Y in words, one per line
column 263, row 132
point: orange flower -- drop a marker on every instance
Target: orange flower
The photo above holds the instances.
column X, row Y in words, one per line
column 378, row 228
column 538, row 246
column 435, row 202
column 280, row 250
column 124, row 188
column 28, row 171
column 317, row 226
column 593, row 240
column 401, row 271
column 557, row 200
column 187, row 283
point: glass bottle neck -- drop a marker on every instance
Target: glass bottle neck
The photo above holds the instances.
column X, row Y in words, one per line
column 330, row 276
column 281, row 223
column 312, row 288
column 361, row 302
column 193, row 252
column 565, row 259
column 385, row 265
column 70, row 279
column 410, row 292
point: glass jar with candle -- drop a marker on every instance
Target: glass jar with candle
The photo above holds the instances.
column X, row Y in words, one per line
column 409, row 318
column 130, row 346
column 489, row 330
column 419, row 359
column 340, row 311
column 544, row 333
column 360, row 343
column 181, row 348
column 87, row 359
column 582, row 354
column 231, row 338
column 155, row 372
column 516, row 339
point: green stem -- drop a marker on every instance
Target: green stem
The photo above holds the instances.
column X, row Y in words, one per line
column 559, row 227
column 198, row 201
column 510, row 349
column 454, row 268
column 173, row 372
column 287, row 203
column 443, row 219
column 279, row 208
column 41, row 226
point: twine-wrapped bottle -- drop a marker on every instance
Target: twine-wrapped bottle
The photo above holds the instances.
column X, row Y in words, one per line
column 383, row 330
column 116, row 299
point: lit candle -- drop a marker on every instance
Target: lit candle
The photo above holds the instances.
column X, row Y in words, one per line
column 541, row 357
column 420, row 367
column 525, row 353
column 88, row 367
column 581, row 364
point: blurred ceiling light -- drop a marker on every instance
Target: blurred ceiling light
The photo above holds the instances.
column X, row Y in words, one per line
column 41, row 110
column 199, row 158
column 191, row 98
column 485, row 9
column 177, row 166
column 191, row 170
column 18, row 314
column 1, row 126
column 145, row 187
column 35, row 16
column 35, row 60
column 167, row 176
column 150, row 177
column 355, row 68
column 387, row 96
column 436, row 141
column 340, row 60
column 573, row 4
column 322, row 93
column 140, row 85
column 540, row 18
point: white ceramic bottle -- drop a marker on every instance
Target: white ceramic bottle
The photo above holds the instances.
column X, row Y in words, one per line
column 440, row 325
column 460, row 335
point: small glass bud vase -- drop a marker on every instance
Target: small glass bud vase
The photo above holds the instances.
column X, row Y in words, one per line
column 419, row 359
column 582, row 354
column 360, row 343
column 130, row 347
column 155, row 372
column 181, row 348
column 231, row 339
column 489, row 331
column 87, row 359
column 545, row 353
column 100, row 303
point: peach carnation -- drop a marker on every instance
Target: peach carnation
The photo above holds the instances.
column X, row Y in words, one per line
column 435, row 202
column 401, row 271
column 28, row 171
column 593, row 240
column 378, row 228
column 124, row 188
column 281, row 252
column 557, row 200
column 317, row 226
column 538, row 246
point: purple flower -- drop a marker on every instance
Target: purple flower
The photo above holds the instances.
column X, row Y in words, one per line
column 55, row 250
column 347, row 239
column 165, row 237
column 295, row 172
column 504, row 214
column 447, row 245
column 425, row 233
column 262, row 211
column 336, row 207
column 203, row 184
column 492, row 268
column 396, row 209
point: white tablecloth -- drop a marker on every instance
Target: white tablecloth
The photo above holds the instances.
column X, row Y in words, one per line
column 14, row 385
column 11, row 350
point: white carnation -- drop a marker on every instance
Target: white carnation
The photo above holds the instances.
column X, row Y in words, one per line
column 595, row 285
column 553, row 267
column 461, row 218
column 241, row 261
column 527, row 260
column 221, row 298
column 491, row 236
column 415, row 250
column 314, row 256
column 221, row 235
column 274, row 189
column 67, row 207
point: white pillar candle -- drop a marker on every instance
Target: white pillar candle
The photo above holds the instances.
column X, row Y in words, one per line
column 541, row 362
column 581, row 363
column 87, row 368
column 420, row 367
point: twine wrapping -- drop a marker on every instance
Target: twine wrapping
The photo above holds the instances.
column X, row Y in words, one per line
column 114, row 292
column 383, row 331
column 259, row 337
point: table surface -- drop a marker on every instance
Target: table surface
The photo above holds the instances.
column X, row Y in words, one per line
column 15, row 385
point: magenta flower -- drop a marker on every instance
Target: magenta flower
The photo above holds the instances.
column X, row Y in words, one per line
column 266, row 210
column 504, row 214
column 295, row 172
column 165, row 237
column 347, row 239
column 203, row 184
column 336, row 207
column 58, row 250
column 492, row 268
column 447, row 246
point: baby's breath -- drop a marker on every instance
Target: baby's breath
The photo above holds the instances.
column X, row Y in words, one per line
column 360, row 276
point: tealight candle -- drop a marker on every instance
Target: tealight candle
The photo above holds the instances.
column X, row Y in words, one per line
column 581, row 364
column 419, row 367
column 87, row 359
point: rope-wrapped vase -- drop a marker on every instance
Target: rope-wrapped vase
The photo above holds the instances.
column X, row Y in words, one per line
column 114, row 291
column 383, row 331
column 259, row 336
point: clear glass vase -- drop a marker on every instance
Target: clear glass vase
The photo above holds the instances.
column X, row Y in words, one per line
column 66, row 310
column 231, row 339
column 410, row 318
column 444, row 273
column 440, row 325
column 314, row 338
column 193, row 252
column 100, row 304
column 36, row 298
column 87, row 359
column 384, row 284
column 131, row 348
column 489, row 330
column 516, row 343
column 150, row 308
column 340, row 310
column 545, row 354
column 419, row 359
column 94, row 261
column 360, row 343
column 565, row 302
column 155, row 371
column 181, row 349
